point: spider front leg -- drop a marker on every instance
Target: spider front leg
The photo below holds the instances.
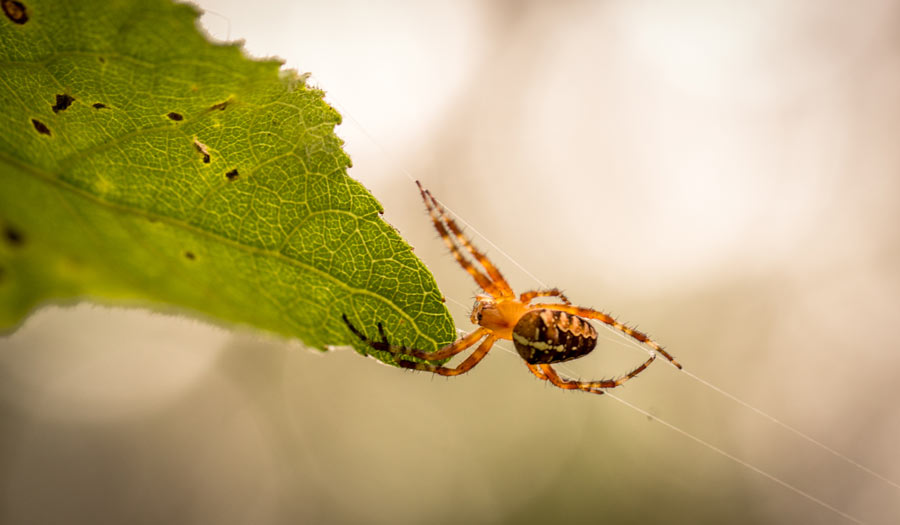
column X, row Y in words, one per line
column 492, row 283
column 467, row 364
column 448, row 351
column 606, row 319
column 594, row 387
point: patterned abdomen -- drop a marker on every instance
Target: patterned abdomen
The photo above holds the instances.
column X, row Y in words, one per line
column 550, row 336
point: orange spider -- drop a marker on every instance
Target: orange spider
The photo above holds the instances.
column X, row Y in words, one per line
column 543, row 333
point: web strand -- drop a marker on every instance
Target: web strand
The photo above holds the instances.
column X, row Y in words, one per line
column 773, row 419
column 736, row 459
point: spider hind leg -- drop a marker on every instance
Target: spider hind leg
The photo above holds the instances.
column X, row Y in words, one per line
column 588, row 313
column 594, row 387
column 526, row 297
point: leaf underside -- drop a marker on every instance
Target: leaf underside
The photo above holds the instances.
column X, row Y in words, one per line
column 141, row 164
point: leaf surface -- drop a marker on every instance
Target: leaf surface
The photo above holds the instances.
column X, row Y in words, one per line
column 141, row 164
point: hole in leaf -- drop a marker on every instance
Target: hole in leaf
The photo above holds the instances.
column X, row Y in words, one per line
column 175, row 116
column 99, row 105
column 62, row 102
column 13, row 237
column 15, row 11
column 190, row 255
column 40, row 127
column 233, row 174
column 201, row 147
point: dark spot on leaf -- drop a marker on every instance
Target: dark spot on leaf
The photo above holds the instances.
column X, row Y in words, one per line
column 62, row 102
column 201, row 147
column 15, row 11
column 102, row 60
column 220, row 106
column 175, row 116
column 13, row 237
column 40, row 126
column 99, row 105
column 233, row 174
column 190, row 255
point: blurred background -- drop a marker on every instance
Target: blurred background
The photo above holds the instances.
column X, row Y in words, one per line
column 723, row 175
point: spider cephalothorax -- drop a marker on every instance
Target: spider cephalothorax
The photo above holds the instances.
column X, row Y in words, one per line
column 543, row 333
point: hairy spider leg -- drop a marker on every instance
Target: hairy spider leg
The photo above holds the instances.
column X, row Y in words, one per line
column 536, row 370
column 442, row 353
column 466, row 365
column 552, row 292
column 548, row 373
column 437, row 355
column 606, row 319
column 496, row 284
column 594, row 387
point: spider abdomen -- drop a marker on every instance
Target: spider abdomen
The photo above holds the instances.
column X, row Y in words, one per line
column 545, row 336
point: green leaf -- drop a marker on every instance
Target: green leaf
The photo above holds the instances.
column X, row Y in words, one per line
column 141, row 164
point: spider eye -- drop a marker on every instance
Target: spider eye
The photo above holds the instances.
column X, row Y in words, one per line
column 476, row 312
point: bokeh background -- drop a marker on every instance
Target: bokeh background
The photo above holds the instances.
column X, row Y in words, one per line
column 725, row 175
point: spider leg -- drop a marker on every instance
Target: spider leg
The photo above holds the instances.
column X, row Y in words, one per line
column 495, row 284
column 536, row 370
column 467, row 364
column 594, row 387
column 606, row 319
column 552, row 292
column 398, row 350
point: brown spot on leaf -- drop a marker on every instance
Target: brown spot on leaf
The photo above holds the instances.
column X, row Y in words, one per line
column 201, row 147
column 231, row 175
column 13, row 237
column 99, row 105
column 15, row 11
column 220, row 106
column 40, row 127
column 102, row 60
column 175, row 116
column 63, row 102
column 190, row 255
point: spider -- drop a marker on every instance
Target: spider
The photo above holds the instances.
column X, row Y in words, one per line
column 543, row 333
